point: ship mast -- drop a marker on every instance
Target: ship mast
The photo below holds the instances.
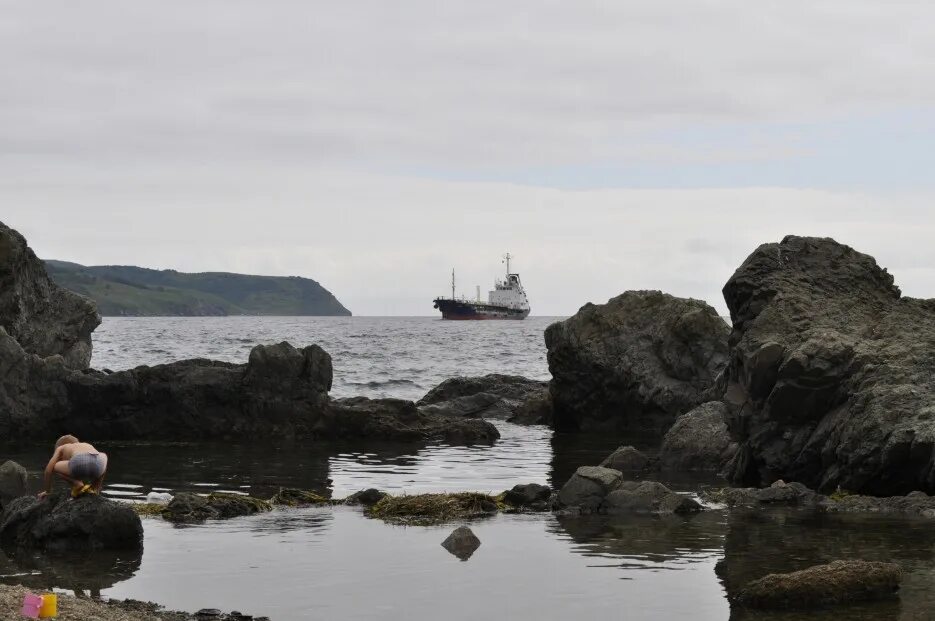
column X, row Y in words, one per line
column 452, row 283
column 506, row 259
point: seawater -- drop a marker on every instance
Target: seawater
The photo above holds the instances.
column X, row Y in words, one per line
column 335, row 563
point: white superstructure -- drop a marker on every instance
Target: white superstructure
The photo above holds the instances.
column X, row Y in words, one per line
column 509, row 292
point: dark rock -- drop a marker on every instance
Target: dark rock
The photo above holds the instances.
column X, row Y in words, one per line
column 588, row 487
column 188, row 508
column 839, row 582
column 778, row 494
column 506, row 397
column 13, row 479
column 698, row 440
column 830, row 375
column 916, row 504
column 45, row 319
column 366, row 498
column 634, row 497
column 462, row 542
column 58, row 522
column 635, row 363
column 529, row 495
column 627, row 459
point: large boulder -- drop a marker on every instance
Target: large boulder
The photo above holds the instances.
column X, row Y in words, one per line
column 634, row 363
column 647, row 497
column 830, row 375
column 13, row 479
column 45, row 319
column 588, row 487
column 58, row 522
column 839, row 582
column 627, row 459
column 699, row 440
column 507, row 397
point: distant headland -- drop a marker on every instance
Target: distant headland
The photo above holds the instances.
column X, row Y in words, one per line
column 122, row 290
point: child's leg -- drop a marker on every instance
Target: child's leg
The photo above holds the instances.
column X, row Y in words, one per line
column 62, row 470
column 99, row 482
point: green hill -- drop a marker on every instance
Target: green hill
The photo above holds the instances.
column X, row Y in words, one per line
column 136, row 291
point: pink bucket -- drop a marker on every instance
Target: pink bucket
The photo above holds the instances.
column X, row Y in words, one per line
column 31, row 605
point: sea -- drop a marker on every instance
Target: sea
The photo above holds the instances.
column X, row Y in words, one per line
column 336, row 563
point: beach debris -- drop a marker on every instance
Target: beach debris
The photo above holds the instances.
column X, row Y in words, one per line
column 462, row 542
column 839, row 582
column 424, row 509
column 158, row 498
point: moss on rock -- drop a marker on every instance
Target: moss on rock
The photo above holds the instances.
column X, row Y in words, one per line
column 425, row 509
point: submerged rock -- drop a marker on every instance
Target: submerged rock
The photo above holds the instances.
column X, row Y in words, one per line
column 840, row 582
column 462, row 542
column 698, row 440
column 635, row 497
column 627, row 459
column 58, row 522
column 507, row 397
column 830, row 375
column 13, row 479
column 188, row 508
column 634, row 363
column 45, row 319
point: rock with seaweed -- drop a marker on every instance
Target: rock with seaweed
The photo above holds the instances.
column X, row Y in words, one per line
column 462, row 542
column 829, row 381
column 44, row 318
column 528, row 497
column 288, row 497
column 426, row 509
column 835, row 583
column 58, row 522
column 365, row 497
column 188, row 508
column 634, row 363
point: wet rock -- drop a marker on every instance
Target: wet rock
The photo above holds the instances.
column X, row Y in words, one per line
column 648, row 497
column 528, row 496
column 462, row 542
column 13, row 479
column 634, row 363
column 588, row 487
column 698, row 440
column 829, row 381
column 916, row 504
column 297, row 498
column 188, row 508
column 366, row 498
column 58, row 522
column 627, row 459
column 43, row 318
column 839, row 582
column 184, row 508
column 779, row 493
column 506, row 397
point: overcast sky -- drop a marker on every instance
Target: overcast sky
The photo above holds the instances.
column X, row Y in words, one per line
column 373, row 146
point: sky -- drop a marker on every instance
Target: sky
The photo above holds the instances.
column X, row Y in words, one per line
column 374, row 146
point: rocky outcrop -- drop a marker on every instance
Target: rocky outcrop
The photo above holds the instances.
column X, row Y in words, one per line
column 603, row 490
column 830, row 374
column 634, row 363
column 506, row 397
column 839, row 582
column 59, row 523
column 627, row 459
column 45, row 319
column 13, row 479
column 698, row 440
column 280, row 392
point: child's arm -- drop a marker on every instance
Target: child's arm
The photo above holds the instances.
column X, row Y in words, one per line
column 50, row 471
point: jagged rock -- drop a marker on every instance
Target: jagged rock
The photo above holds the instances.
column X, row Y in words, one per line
column 588, row 487
column 635, row 363
column 627, row 459
column 530, row 496
column 839, row 582
column 506, row 397
column 830, row 375
column 698, row 440
column 647, row 497
column 58, row 522
column 366, row 497
column 13, row 479
column 45, row 319
column 462, row 542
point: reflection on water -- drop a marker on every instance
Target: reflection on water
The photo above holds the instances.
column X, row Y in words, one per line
column 336, row 563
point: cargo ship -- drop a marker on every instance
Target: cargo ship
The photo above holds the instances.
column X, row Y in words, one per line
column 506, row 301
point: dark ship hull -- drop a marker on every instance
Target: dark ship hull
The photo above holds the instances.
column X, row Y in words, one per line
column 462, row 309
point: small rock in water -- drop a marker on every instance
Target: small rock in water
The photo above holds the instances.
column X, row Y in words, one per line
column 367, row 497
column 530, row 494
column 208, row 613
column 462, row 542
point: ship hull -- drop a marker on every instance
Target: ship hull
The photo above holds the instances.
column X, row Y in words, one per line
column 472, row 311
